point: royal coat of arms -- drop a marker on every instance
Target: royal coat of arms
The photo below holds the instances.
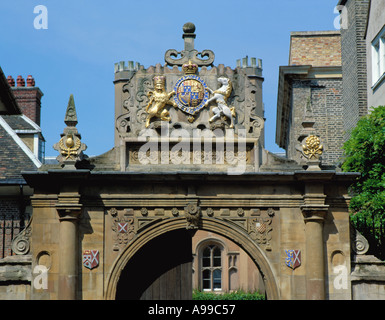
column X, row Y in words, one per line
column 91, row 259
column 293, row 258
column 191, row 94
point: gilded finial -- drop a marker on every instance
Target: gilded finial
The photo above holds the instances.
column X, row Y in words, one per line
column 70, row 146
column 312, row 148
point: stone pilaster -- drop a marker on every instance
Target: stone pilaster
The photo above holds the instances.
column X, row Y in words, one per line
column 69, row 210
column 315, row 264
column 314, row 212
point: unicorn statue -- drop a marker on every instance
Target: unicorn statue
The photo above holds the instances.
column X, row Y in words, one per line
column 220, row 97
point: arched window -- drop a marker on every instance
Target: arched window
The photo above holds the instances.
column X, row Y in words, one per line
column 211, row 268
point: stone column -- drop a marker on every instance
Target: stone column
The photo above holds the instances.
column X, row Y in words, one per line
column 69, row 209
column 315, row 263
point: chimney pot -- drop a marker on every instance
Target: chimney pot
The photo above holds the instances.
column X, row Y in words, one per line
column 11, row 81
column 30, row 81
column 20, row 81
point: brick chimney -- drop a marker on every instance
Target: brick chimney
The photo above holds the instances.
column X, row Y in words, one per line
column 27, row 97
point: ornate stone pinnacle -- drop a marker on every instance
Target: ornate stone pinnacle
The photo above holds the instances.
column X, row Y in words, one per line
column 70, row 146
column 71, row 118
column 189, row 53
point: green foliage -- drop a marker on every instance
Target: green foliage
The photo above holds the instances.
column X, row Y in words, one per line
column 234, row 295
column 365, row 153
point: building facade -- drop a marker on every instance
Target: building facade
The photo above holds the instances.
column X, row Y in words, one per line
column 354, row 66
column 21, row 144
column 310, row 96
column 375, row 48
column 189, row 174
column 189, row 197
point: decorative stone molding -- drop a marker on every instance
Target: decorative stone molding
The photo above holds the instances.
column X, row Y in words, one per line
column 124, row 230
column 21, row 243
column 69, row 206
column 359, row 244
column 128, row 223
column 260, row 228
column 193, row 215
column 314, row 213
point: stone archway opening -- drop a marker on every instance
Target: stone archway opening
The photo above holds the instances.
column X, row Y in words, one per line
column 160, row 270
column 136, row 274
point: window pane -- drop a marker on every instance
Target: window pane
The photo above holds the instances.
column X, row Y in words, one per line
column 206, row 257
column 217, row 257
column 206, row 277
column 376, row 61
column 206, row 262
column 217, row 279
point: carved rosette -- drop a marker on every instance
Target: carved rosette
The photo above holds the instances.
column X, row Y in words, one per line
column 193, row 215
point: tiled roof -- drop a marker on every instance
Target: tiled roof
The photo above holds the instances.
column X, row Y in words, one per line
column 13, row 158
column 18, row 122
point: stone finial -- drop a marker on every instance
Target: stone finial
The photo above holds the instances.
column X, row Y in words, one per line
column 312, row 150
column 71, row 118
column 189, row 53
column 70, row 146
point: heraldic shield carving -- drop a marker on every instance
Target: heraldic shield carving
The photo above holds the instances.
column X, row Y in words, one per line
column 293, row 258
column 191, row 94
column 91, row 259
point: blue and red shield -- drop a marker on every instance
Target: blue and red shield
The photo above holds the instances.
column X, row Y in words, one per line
column 190, row 94
column 293, row 258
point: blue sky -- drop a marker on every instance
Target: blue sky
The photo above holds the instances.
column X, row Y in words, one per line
column 84, row 39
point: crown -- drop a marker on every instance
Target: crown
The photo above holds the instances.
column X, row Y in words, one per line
column 159, row 79
column 190, row 68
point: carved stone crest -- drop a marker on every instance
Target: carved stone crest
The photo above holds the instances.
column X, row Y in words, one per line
column 124, row 230
column 191, row 94
column 260, row 227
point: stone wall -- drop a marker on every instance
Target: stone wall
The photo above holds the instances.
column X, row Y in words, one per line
column 15, row 278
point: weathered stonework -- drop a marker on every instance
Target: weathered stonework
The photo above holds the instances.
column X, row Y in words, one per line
column 135, row 213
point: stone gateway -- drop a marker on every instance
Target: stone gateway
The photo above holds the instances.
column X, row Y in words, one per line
column 189, row 197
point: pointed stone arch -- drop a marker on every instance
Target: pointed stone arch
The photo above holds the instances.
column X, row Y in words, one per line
column 209, row 224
